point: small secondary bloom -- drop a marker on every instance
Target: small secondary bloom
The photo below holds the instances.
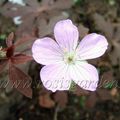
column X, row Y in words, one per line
column 65, row 59
column 20, row 2
column 17, row 20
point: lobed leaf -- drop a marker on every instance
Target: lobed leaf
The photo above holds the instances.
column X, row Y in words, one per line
column 20, row 58
column 20, row 80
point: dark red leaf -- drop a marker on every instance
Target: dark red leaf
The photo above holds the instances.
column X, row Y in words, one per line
column 82, row 30
column 3, row 63
column 33, row 3
column 20, row 80
column 79, row 91
column 20, row 58
column 104, row 94
column 8, row 10
column 9, row 40
column 46, row 101
column 103, row 25
column 91, row 100
column 61, row 98
column 24, row 39
column 59, row 4
column 33, row 9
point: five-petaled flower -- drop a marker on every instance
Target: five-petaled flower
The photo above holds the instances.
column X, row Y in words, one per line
column 65, row 59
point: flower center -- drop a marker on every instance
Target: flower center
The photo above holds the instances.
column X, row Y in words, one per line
column 70, row 57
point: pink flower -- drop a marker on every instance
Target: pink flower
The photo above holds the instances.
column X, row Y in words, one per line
column 65, row 59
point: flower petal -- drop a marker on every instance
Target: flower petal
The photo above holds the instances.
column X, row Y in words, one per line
column 46, row 51
column 85, row 75
column 55, row 77
column 92, row 46
column 66, row 34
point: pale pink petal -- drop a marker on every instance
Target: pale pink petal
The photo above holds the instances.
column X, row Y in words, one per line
column 85, row 75
column 46, row 51
column 55, row 77
column 66, row 34
column 92, row 46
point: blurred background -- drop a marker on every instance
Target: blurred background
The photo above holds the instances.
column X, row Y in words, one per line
column 30, row 19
